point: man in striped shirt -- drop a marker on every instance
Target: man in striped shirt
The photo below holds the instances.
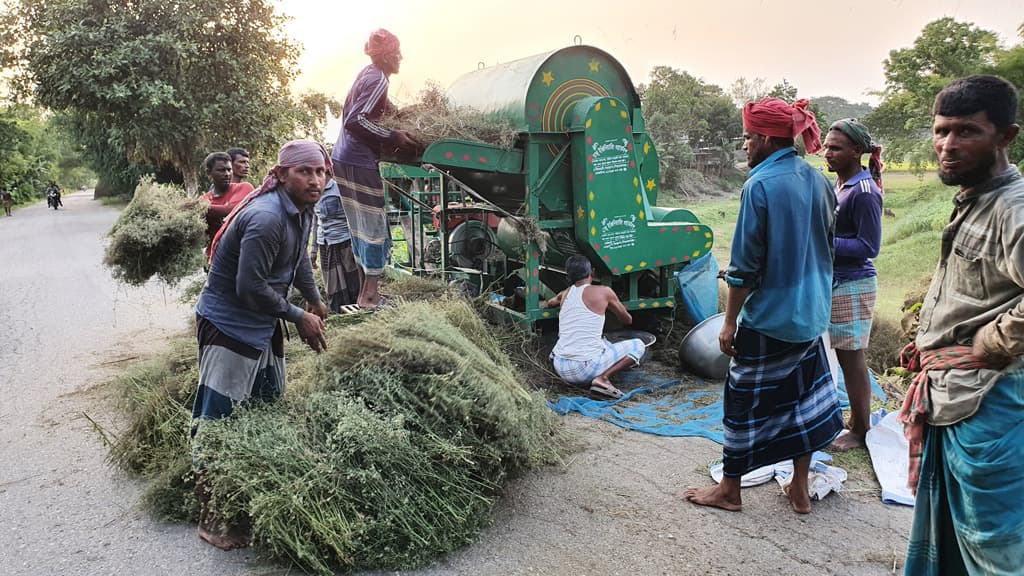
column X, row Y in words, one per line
column 854, row 280
column 356, row 156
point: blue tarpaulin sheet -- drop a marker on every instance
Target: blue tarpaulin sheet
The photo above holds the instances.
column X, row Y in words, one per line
column 680, row 411
column 698, row 287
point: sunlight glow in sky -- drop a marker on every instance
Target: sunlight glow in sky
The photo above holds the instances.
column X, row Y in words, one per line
column 823, row 48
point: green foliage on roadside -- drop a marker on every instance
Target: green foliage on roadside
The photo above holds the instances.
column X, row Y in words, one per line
column 35, row 150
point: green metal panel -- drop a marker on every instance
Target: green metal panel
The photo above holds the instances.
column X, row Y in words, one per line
column 537, row 93
column 647, row 158
column 614, row 218
column 474, row 156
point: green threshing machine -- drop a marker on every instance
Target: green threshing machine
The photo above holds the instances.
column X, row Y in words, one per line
column 582, row 178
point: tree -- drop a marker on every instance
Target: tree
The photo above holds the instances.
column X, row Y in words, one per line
column 945, row 50
column 1010, row 65
column 158, row 83
column 743, row 90
column 683, row 114
column 836, row 108
column 310, row 114
column 34, row 150
column 783, row 90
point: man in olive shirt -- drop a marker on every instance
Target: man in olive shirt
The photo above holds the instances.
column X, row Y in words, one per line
column 964, row 413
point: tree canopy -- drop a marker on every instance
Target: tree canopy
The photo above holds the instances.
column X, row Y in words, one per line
column 152, row 85
column 685, row 114
column 35, row 150
column 944, row 51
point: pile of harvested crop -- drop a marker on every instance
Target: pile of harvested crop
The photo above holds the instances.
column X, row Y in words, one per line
column 385, row 452
column 160, row 233
column 434, row 118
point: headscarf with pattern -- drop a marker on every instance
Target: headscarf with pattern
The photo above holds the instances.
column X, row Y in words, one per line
column 381, row 43
column 861, row 138
column 292, row 154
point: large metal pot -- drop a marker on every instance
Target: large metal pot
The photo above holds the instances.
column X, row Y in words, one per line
column 699, row 351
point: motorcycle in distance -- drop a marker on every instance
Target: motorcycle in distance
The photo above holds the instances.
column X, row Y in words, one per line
column 53, row 198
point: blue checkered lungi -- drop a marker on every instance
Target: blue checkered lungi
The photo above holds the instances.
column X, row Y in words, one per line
column 853, row 305
column 780, row 402
column 584, row 371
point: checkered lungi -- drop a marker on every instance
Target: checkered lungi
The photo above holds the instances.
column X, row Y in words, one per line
column 780, row 402
column 341, row 274
column 584, row 371
column 362, row 197
column 853, row 305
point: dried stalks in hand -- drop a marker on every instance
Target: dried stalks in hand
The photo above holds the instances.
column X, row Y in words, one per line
column 434, row 118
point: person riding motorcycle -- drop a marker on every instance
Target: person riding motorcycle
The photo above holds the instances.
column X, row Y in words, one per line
column 53, row 196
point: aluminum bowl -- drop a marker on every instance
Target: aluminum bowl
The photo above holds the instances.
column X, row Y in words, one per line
column 699, row 351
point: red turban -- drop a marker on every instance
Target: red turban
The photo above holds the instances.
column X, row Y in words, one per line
column 773, row 117
column 381, row 43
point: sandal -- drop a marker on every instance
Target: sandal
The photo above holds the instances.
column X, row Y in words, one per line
column 611, row 392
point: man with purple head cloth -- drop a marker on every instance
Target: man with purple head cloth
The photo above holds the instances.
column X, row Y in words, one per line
column 356, row 156
column 780, row 402
column 256, row 256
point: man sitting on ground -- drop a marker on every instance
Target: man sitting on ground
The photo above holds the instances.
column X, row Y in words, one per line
column 581, row 355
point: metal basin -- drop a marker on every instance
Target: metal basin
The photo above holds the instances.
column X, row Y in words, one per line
column 628, row 333
column 699, row 351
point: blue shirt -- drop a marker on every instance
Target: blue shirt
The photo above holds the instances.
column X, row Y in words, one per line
column 332, row 225
column 782, row 249
column 858, row 227
column 260, row 255
column 361, row 138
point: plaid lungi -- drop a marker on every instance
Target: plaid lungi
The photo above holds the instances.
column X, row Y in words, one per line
column 362, row 197
column 780, row 402
column 584, row 371
column 853, row 305
column 341, row 274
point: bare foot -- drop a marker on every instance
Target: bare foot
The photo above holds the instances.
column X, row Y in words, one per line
column 799, row 499
column 847, row 440
column 233, row 538
column 602, row 382
column 712, row 496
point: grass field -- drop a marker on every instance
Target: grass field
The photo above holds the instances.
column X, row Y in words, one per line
column 910, row 239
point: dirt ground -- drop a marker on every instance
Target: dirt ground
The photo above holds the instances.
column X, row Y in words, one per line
column 614, row 507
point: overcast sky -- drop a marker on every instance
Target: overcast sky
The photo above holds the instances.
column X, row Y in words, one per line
column 822, row 47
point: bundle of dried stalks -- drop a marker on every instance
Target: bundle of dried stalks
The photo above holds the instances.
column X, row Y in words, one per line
column 158, row 234
column 434, row 118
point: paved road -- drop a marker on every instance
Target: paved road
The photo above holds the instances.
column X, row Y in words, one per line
column 614, row 508
column 63, row 510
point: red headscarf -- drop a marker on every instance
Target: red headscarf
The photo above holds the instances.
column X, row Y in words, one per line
column 381, row 43
column 294, row 153
column 773, row 117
